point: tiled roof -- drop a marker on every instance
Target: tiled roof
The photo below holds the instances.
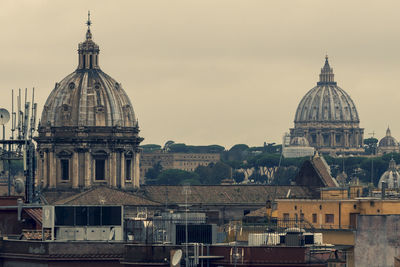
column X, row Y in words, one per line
column 223, row 194
column 105, row 196
column 261, row 212
column 323, row 172
column 35, row 213
column 51, row 196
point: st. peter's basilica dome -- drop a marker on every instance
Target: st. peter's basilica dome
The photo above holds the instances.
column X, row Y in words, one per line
column 328, row 118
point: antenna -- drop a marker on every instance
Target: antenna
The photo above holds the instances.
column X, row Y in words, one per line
column 4, row 116
column 20, row 146
column 186, row 191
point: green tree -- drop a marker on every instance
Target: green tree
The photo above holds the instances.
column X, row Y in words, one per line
column 238, row 152
column 370, row 145
column 177, row 177
column 178, row 148
column 150, row 147
column 153, row 172
column 213, row 173
column 284, row 175
column 238, row 176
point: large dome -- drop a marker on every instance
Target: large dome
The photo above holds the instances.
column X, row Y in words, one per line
column 388, row 140
column 88, row 96
column 327, row 117
column 326, row 102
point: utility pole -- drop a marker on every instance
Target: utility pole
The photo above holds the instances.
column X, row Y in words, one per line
column 186, row 190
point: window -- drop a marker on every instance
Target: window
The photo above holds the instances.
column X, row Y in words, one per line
column 313, row 138
column 338, row 139
column 286, row 216
column 301, row 216
column 100, row 169
column 64, row 216
column 128, row 166
column 64, row 169
column 329, row 218
column 314, row 218
column 81, row 216
column 94, row 216
column 111, row 216
column 326, row 139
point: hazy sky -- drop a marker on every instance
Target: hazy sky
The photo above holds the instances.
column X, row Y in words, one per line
column 212, row 71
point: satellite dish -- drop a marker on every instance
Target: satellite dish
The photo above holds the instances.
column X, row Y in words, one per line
column 19, row 186
column 4, row 116
column 176, row 257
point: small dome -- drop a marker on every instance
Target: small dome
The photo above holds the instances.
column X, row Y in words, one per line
column 88, row 97
column 388, row 140
column 299, row 141
column 390, row 177
column 326, row 102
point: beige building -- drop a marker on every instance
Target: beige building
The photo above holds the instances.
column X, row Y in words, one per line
column 328, row 118
column 88, row 134
column 180, row 161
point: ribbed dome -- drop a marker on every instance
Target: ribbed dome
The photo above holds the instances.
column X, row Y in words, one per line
column 390, row 177
column 326, row 102
column 299, row 141
column 388, row 140
column 88, row 96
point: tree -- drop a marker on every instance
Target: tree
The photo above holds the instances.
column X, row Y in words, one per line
column 284, row 175
column 213, row 173
column 152, row 173
column 370, row 145
column 168, row 144
column 150, row 147
column 178, row 148
column 238, row 176
column 177, row 177
column 238, row 152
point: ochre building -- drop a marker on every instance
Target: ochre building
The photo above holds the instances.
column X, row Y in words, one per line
column 328, row 118
column 180, row 161
column 88, row 134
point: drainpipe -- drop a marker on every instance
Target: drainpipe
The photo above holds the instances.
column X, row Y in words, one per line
column 19, row 207
column 340, row 214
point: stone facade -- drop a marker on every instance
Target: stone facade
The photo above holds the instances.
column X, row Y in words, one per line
column 88, row 134
column 180, row 161
column 328, row 118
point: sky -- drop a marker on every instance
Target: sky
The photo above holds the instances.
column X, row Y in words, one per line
column 212, row 71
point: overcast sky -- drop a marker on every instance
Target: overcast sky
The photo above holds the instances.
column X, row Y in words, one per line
column 212, row 71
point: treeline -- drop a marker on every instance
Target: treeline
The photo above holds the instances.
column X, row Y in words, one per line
column 183, row 148
column 260, row 165
column 207, row 175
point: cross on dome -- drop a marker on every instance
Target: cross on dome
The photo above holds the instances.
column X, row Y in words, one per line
column 88, row 23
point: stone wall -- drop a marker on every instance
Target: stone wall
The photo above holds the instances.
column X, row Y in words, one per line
column 377, row 240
